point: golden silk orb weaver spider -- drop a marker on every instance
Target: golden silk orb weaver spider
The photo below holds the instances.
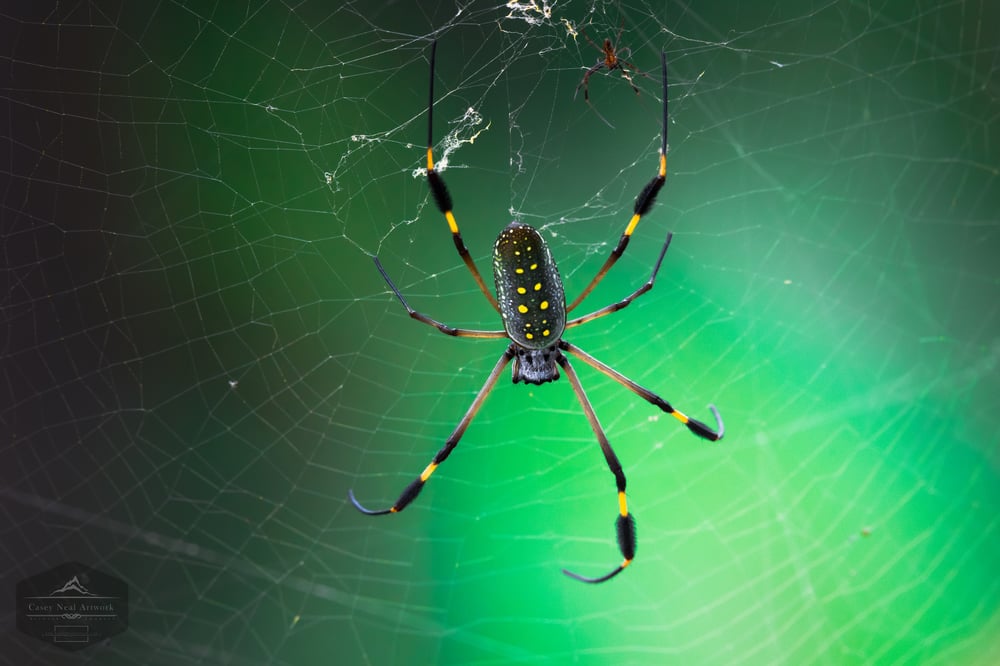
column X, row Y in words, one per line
column 531, row 302
column 612, row 58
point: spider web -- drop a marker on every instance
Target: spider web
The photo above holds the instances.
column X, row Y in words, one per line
column 199, row 358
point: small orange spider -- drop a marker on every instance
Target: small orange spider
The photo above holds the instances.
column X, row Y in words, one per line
column 612, row 58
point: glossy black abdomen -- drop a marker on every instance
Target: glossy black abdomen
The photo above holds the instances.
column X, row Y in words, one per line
column 529, row 289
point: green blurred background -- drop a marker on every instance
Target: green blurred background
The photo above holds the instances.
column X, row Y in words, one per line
column 199, row 357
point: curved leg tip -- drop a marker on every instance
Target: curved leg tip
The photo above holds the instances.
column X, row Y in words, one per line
column 359, row 507
column 720, row 428
column 703, row 431
column 584, row 579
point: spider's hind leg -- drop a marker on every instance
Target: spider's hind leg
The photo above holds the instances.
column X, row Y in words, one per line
column 413, row 489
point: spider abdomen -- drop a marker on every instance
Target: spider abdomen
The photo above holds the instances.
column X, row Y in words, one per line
column 529, row 290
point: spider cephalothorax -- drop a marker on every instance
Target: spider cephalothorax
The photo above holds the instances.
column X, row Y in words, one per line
column 531, row 301
column 535, row 366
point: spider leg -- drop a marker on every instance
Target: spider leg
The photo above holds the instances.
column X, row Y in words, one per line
column 632, row 68
column 411, row 491
column 444, row 328
column 618, row 37
column 626, row 52
column 615, row 307
column 622, row 64
column 695, row 426
column 625, row 524
column 643, row 203
column 443, row 199
column 585, row 81
column 598, row 113
column 589, row 40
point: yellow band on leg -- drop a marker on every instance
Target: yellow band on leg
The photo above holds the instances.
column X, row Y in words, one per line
column 452, row 224
column 663, row 165
column 622, row 503
column 430, row 159
column 428, row 471
column 631, row 225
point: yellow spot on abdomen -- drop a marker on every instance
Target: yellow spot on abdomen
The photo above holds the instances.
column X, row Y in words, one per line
column 521, row 290
column 522, row 308
column 544, row 305
column 538, row 285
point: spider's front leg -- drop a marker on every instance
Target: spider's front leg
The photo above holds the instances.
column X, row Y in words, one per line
column 643, row 203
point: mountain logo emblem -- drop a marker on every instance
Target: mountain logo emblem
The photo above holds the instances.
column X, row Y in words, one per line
column 72, row 606
column 73, row 585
